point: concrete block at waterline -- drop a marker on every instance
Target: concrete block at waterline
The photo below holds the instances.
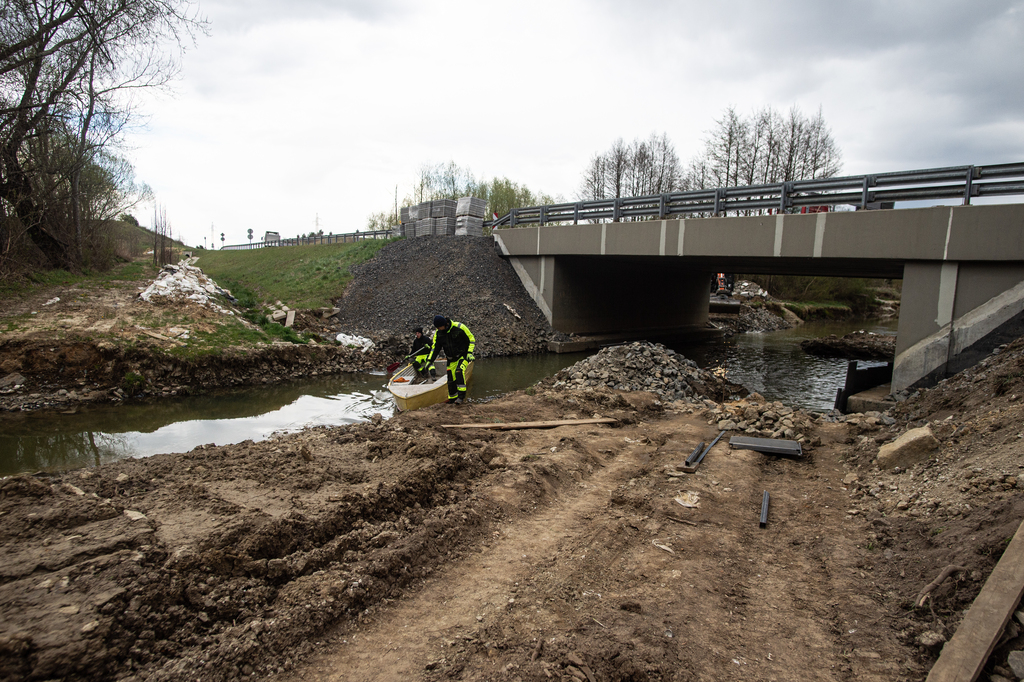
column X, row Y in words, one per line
column 914, row 446
column 290, row 319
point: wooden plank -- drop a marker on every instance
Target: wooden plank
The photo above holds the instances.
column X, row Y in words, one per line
column 964, row 656
column 509, row 426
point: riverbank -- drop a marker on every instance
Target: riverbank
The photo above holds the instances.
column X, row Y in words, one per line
column 129, row 336
column 409, row 549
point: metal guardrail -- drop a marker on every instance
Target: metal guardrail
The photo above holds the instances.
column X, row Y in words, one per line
column 862, row 191
column 319, row 239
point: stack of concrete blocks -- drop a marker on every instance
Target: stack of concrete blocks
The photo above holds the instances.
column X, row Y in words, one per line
column 442, row 214
column 443, row 218
column 469, row 217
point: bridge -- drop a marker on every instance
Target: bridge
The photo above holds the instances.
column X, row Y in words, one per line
column 962, row 266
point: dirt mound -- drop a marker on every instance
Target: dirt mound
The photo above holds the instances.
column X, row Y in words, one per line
column 644, row 366
column 854, row 346
column 959, row 507
column 464, row 278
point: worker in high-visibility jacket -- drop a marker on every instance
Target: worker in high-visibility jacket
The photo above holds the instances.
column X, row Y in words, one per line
column 458, row 344
column 420, row 352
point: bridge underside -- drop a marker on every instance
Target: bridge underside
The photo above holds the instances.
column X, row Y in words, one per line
column 962, row 270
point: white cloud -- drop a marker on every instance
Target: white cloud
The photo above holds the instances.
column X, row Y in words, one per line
column 317, row 109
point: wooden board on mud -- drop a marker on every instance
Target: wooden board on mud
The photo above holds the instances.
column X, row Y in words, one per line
column 507, row 426
column 964, row 656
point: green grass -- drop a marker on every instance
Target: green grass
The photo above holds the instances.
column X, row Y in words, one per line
column 300, row 276
column 126, row 272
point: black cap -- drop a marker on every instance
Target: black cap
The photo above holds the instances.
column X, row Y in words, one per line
column 417, row 330
column 440, row 321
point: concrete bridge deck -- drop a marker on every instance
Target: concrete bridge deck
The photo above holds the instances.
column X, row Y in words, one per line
column 962, row 269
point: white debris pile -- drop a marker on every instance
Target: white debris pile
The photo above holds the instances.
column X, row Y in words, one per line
column 353, row 341
column 747, row 289
column 184, row 282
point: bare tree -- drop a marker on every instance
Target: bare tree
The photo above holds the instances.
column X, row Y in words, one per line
column 67, row 68
column 765, row 149
column 641, row 168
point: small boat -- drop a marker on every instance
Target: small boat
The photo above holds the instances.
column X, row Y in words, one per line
column 412, row 393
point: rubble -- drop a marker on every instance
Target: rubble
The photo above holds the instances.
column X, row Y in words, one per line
column 186, row 282
column 644, row 366
column 860, row 345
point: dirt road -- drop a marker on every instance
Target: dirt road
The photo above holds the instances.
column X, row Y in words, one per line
column 602, row 571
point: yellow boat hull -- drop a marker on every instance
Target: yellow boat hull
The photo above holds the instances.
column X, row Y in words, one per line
column 412, row 396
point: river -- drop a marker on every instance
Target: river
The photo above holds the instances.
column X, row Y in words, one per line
column 770, row 363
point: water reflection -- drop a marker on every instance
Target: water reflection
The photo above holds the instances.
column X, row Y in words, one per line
column 771, row 364
column 98, row 434
column 774, row 365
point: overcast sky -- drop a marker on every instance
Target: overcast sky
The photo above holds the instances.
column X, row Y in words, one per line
column 315, row 110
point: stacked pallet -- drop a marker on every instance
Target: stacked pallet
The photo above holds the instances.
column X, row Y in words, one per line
column 444, row 227
column 442, row 208
column 471, row 207
column 443, row 218
column 469, row 226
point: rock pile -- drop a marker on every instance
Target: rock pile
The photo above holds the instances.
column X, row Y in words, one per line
column 761, row 419
column 644, row 366
column 464, row 278
column 860, row 345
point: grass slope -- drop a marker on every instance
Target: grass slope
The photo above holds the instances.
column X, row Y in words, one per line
column 299, row 276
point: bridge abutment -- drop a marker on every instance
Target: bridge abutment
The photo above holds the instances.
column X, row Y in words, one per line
column 953, row 314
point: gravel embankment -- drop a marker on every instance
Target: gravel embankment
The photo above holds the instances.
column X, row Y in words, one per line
column 464, row 278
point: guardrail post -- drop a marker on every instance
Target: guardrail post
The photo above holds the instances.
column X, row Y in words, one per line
column 512, row 217
column 718, row 201
column 661, row 207
column 616, row 208
column 968, row 186
column 541, row 217
column 576, row 214
column 782, row 196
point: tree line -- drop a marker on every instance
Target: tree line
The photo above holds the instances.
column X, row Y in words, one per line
column 68, row 73
column 764, row 148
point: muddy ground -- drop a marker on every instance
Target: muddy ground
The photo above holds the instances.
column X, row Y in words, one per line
column 860, row 345
column 404, row 549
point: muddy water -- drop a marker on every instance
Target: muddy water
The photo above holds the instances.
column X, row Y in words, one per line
column 771, row 364
column 774, row 365
column 98, row 434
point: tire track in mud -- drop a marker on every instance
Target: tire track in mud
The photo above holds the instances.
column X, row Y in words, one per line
column 456, row 602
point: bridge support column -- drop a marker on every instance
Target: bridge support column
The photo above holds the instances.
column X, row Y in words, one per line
column 952, row 314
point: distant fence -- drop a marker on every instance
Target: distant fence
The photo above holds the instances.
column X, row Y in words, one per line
column 862, row 191
column 319, row 239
